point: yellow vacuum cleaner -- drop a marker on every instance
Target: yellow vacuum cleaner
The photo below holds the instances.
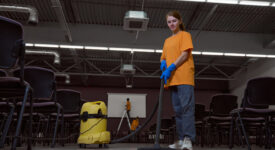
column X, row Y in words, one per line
column 93, row 124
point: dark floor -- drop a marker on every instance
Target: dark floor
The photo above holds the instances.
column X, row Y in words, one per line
column 128, row 146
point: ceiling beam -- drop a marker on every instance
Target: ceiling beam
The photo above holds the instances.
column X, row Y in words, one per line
column 75, row 11
column 61, row 19
column 270, row 44
column 206, row 19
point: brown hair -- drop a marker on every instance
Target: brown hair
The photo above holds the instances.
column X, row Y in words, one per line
column 177, row 15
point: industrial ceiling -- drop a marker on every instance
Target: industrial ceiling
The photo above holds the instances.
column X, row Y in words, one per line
column 102, row 68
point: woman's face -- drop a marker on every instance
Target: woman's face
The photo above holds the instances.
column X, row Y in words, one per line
column 173, row 23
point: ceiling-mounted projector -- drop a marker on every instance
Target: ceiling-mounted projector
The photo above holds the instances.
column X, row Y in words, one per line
column 135, row 20
column 127, row 69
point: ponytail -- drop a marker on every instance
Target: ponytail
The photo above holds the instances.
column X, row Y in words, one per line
column 182, row 27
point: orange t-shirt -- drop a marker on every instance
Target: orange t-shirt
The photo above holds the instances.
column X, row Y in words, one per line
column 172, row 49
column 134, row 124
column 128, row 105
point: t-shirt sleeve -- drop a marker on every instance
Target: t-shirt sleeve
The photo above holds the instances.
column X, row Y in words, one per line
column 186, row 42
column 163, row 55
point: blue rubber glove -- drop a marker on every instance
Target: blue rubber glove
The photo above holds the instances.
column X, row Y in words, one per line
column 163, row 65
column 167, row 73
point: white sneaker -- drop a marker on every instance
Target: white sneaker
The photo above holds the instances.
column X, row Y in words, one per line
column 176, row 145
column 187, row 144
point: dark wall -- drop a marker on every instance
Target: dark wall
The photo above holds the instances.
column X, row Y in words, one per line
column 203, row 93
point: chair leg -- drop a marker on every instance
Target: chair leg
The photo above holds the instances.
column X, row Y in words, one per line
column 231, row 133
column 244, row 133
column 6, row 128
column 203, row 133
column 38, row 132
column 239, row 132
column 55, row 129
column 46, row 132
column 62, row 128
column 268, row 134
column 30, row 125
column 2, row 122
column 18, row 126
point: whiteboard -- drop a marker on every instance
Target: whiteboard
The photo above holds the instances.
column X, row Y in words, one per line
column 117, row 102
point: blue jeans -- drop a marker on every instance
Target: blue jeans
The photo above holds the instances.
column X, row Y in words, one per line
column 184, row 106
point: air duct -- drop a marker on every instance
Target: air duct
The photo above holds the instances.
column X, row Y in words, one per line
column 55, row 54
column 67, row 80
column 33, row 18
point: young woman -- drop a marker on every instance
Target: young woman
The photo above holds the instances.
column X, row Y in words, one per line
column 179, row 77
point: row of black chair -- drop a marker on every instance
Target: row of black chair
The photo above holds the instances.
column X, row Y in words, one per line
column 226, row 123
column 12, row 52
column 47, row 103
column 29, row 88
column 252, row 122
column 254, row 115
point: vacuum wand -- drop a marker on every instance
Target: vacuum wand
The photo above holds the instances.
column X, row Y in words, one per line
column 156, row 145
column 159, row 114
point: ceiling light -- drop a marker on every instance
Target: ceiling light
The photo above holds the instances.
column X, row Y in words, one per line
column 196, row 53
column 193, row 0
column 234, row 54
column 143, row 50
column 273, row 4
column 158, row 50
column 46, row 45
column 255, row 3
column 71, row 46
column 96, row 48
column 223, row 1
column 212, row 53
column 270, row 56
column 120, row 49
column 29, row 44
column 255, row 55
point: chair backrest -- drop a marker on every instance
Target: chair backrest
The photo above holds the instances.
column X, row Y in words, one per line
column 11, row 42
column 259, row 93
column 166, row 123
column 12, row 47
column 199, row 112
column 153, row 127
column 69, row 99
column 222, row 104
column 3, row 73
column 42, row 81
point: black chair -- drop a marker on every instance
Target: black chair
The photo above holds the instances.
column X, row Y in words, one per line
column 3, row 73
column 219, row 118
column 200, row 114
column 258, row 95
column 5, row 106
column 150, row 134
column 166, row 131
column 70, row 101
column 42, row 81
column 12, row 49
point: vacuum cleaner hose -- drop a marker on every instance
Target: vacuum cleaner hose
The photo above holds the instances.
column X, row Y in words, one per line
column 143, row 125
